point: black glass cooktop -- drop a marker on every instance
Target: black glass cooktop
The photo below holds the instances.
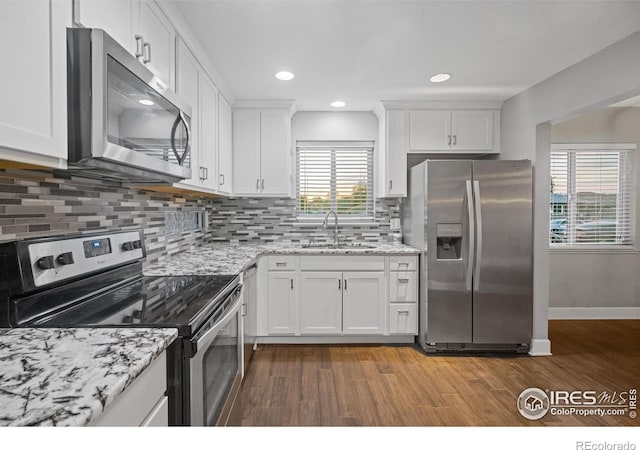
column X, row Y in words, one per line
column 172, row 302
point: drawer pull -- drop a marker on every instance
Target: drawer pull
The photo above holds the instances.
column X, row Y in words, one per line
column 281, row 264
column 404, row 312
column 291, row 283
column 403, row 280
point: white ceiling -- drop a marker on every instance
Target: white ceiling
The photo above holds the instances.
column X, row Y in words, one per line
column 363, row 51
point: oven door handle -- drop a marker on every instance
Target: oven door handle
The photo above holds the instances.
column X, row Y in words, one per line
column 206, row 339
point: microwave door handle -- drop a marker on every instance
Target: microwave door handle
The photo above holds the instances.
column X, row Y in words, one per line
column 180, row 118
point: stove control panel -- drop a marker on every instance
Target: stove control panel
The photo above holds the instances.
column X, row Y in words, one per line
column 69, row 257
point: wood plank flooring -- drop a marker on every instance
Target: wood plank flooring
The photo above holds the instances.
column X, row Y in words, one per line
column 340, row 385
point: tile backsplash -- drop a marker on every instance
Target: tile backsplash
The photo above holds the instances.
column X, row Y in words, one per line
column 36, row 203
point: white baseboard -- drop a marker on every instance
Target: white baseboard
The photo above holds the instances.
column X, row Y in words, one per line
column 540, row 347
column 593, row 313
column 396, row 339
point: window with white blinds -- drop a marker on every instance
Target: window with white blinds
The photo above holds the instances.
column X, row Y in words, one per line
column 592, row 195
column 335, row 176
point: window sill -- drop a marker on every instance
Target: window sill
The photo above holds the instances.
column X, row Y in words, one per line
column 612, row 249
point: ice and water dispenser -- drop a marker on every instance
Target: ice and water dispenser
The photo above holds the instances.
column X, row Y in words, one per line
column 449, row 240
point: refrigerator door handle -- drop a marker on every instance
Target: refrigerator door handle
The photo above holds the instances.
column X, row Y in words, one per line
column 476, row 196
column 472, row 236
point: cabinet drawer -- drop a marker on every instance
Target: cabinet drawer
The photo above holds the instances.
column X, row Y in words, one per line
column 285, row 262
column 403, row 263
column 403, row 287
column 342, row 262
column 403, row 318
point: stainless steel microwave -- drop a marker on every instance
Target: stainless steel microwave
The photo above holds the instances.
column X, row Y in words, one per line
column 123, row 122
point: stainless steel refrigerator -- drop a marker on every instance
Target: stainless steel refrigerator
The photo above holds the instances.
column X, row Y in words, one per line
column 473, row 222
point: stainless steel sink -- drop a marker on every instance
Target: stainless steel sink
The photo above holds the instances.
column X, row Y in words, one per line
column 343, row 245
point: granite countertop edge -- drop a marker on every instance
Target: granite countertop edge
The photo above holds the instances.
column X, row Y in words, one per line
column 70, row 376
column 233, row 259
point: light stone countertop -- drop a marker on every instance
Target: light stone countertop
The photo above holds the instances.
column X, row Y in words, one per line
column 68, row 376
column 232, row 259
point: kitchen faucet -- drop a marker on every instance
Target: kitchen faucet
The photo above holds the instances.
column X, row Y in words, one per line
column 335, row 231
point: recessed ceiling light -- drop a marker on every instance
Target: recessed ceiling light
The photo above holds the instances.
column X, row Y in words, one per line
column 146, row 102
column 338, row 104
column 284, row 76
column 440, row 77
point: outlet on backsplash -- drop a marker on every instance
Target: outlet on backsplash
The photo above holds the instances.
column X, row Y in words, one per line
column 394, row 224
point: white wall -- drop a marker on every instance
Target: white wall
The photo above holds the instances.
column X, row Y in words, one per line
column 610, row 75
column 597, row 280
column 334, row 126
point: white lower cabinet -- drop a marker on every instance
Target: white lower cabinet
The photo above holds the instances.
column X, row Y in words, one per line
column 281, row 302
column 321, row 303
column 403, row 318
column 363, row 302
column 144, row 403
column 338, row 295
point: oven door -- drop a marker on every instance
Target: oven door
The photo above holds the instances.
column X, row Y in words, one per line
column 215, row 370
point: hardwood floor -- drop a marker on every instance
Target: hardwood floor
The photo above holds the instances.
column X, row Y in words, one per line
column 339, row 385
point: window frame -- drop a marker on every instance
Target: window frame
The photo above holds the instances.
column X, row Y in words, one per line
column 630, row 193
column 333, row 146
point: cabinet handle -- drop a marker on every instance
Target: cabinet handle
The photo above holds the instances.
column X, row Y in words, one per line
column 263, row 183
column 291, row 282
column 404, row 312
column 281, row 264
column 339, row 284
column 449, row 141
column 390, row 185
column 206, row 173
column 244, row 310
column 454, row 139
column 139, row 43
column 201, row 173
column 258, row 184
column 345, row 285
column 403, row 280
column 221, row 179
column 147, row 53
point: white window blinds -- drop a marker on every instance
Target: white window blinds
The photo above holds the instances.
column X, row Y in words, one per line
column 335, row 176
column 592, row 194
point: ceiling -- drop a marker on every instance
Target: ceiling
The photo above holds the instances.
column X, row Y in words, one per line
column 363, row 51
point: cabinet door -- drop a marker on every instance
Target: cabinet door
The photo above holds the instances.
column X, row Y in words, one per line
column 281, row 303
column 275, row 160
column 187, row 75
column 225, row 146
column 158, row 36
column 321, row 303
column 246, row 151
column 472, row 130
column 33, row 80
column 363, row 303
column 208, row 132
column 113, row 16
column 403, row 287
column 429, row 130
column 396, row 158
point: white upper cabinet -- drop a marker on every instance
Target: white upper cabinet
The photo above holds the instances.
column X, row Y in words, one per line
column 139, row 26
column 33, row 81
column 393, row 145
column 430, row 130
column 262, row 152
column 464, row 130
column 157, row 36
column 196, row 88
column 225, row 146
